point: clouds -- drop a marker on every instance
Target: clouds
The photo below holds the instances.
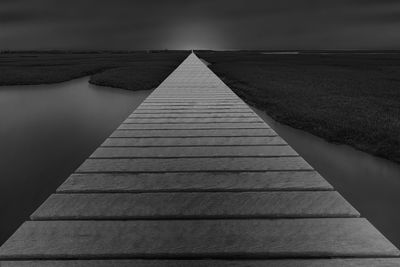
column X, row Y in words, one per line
column 217, row 24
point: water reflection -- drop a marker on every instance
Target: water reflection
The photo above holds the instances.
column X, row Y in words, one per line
column 46, row 131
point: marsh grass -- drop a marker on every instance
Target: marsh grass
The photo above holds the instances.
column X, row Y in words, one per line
column 136, row 76
column 129, row 70
column 344, row 98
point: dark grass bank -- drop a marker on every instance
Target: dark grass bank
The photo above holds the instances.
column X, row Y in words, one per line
column 128, row 70
column 351, row 99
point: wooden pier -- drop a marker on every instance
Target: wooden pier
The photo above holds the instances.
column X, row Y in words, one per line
column 193, row 177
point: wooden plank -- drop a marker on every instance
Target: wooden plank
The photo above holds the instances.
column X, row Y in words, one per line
column 181, row 98
column 344, row 237
column 184, row 100
column 200, row 93
column 221, row 205
column 199, row 115
column 217, row 88
column 195, row 164
column 194, row 182
column 194, row 105
column 194, row 133
column 191, row 120
column 187, row 100
column 193, row 95
column 192, row 102
column 196, row 152
column 377, row 262
column 243, row 125
column 195, row 141
column 189, row 111
column 183, row 107
column 186, row 96
column 205, row 93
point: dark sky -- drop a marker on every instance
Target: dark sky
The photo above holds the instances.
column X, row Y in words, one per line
column 199, row 24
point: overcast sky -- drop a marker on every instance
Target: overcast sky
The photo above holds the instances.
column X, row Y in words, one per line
column 200, row 24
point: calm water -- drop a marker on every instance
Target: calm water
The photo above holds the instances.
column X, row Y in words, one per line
column 46, row 131
column 370, row 184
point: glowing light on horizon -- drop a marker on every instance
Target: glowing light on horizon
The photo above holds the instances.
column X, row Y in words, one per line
column 192, row 36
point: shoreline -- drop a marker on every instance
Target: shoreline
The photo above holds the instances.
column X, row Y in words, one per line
column 313, row 131
column 136, row 71
column 349, row 100
column 146, row 75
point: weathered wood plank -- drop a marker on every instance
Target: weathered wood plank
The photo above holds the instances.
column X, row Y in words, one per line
column 192, row 105
column 194, row 133
column 190, row 102
column 184, row 94
column 189, row 107
column 188, row 94
column 194, row 182
column 182, row 97
column 195, row 141
column 190, row 152
column 190, row 111
column 186, row 100
column 194, row 205
column 344, row 237
column 193, row 102
column 201, row 95
column 195, row 164
column 199, row 115
column 251, row 125
column 190, row 90
column 377, row 262
column 191, row 120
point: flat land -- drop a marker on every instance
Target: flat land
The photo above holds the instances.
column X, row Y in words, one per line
column 138, row 70
column 347, row 98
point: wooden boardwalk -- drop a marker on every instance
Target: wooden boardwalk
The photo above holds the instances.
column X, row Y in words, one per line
column 193, row 177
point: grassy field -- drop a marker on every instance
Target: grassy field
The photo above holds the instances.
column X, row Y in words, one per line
column 127, row 70
column 348, row 98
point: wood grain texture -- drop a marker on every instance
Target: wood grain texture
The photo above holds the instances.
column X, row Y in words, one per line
column 187, row 101
column 344, row 237
column 192, row 120
column 194, row 205
column 195, row 165
column 253, row 125
column 192, row 106
column 193, row 133
column 193, row 152
column 197, row 182
column 377, row 262
column 191, row 111
column 200, row 115
column 194, row 141
column 190, row 97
